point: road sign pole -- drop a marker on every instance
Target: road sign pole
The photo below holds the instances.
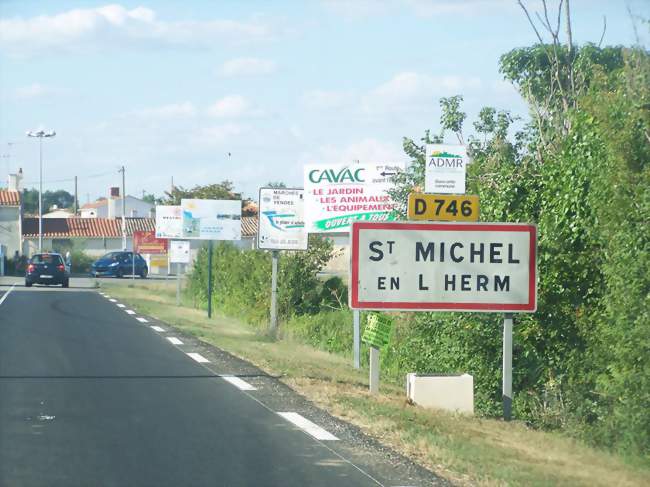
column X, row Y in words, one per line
column 356, row 318
column 178, row 284
column 374, row 370
column 133, row 261
column 274, row 291
column 209, row 278
column 507, row 366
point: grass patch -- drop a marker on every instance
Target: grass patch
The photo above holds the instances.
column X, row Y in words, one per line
column 466, row 450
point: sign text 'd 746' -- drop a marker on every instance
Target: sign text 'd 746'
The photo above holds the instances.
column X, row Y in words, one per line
column 443, row 207
column 443, row 266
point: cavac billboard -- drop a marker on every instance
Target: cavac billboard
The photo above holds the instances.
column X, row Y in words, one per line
column 211, row 219
column 338, row 194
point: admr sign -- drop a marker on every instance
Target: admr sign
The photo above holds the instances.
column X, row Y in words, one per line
column 444, row 266
column 445, row 169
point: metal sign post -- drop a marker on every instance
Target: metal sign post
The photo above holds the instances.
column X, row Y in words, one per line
column 210, row 279
column 507, row 366
column 133, row 264
column 356, row 318
column 374, row 370
column 178, row 284
column 274, row 291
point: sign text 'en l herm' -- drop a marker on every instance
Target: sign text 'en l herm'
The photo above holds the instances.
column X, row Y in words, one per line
column 444, row 266
column 443, row 207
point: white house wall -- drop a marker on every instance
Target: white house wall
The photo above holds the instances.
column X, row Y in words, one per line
column 10, row 228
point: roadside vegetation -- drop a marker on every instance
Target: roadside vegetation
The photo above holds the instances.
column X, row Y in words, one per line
column 466, row 450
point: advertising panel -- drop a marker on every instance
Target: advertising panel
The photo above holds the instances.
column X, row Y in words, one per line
column 169, row 221
column 338, row 194
column 179, row 252
column 145, row 242
column 281, row 219
column 211, row 219
column 445, row 169
column 444, row 266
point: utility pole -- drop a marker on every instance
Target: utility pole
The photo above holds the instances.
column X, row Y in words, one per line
column 123, row 208
column 76, row 201
column 40, row 134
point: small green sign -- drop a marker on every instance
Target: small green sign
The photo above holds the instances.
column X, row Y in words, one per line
column 377, row 332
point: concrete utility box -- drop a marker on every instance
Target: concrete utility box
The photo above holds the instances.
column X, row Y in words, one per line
column 448, row 392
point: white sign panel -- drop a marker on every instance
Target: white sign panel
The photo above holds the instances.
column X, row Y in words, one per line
column 211, row 219
column 444, row 266
column 169, row 221
column 338, row 194
column 445, row 169
column 179, row 252
column 281, row 220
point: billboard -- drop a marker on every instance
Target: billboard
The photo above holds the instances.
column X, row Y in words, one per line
column 145, row 242
column 169, row 221
column 444, row 266
column 445, row 169
column 179, row 252
column 338, row 194
column 281, row 220
column 211, row 219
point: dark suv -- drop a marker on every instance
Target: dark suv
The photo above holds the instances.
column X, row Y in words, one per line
column 119, row 264
column 47, row 269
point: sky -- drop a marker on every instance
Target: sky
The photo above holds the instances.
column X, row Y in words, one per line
column 204, row 90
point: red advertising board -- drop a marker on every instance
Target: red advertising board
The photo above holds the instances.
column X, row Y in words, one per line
column 145, row 242
column 444, row 266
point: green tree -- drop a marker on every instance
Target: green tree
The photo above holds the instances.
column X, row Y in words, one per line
column 60, row 198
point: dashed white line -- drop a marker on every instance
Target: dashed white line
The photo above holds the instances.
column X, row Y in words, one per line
column 174, row 340
column 142, row 320
column 308, row 427
column 120, row 305
column 129, row 311
column 238, row 383
column 199, row 358
column 4, row 296
column 113, row 300
column 158, row 329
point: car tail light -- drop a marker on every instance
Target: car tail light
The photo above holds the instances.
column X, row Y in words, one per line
column 30, row 268
column 61, row 267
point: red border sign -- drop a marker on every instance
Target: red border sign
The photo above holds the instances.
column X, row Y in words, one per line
column 145, row 242
column 531, row 306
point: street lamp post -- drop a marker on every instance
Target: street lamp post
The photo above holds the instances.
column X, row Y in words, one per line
column 40, row 134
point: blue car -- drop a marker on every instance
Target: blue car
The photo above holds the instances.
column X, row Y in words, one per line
column 119, row 264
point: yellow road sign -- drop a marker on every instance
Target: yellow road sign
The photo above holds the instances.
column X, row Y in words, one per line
column 443, row 207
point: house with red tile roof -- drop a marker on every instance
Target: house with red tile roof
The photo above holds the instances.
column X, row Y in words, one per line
column 10, row 221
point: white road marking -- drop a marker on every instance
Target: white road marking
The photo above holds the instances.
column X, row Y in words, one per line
column 199, row 358
column 142, row 320
column 4, row 296
column 238, row 383
column 129, row 311
column 113, row 300
column 107, row 296
column 308, row 427
column 158, row 329
column 119, row 305
column 174, row 340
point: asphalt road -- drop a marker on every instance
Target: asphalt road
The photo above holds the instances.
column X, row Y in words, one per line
column 90, row 395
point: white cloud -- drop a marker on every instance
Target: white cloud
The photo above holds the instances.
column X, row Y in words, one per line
column 217, row 135
column 232, row 106
column 247, row 67
column 367, row 150
column 407, row 90
column 360, row 9
column 114, row 24
column 325, row 100
column 171, row 111
column 32, row 91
